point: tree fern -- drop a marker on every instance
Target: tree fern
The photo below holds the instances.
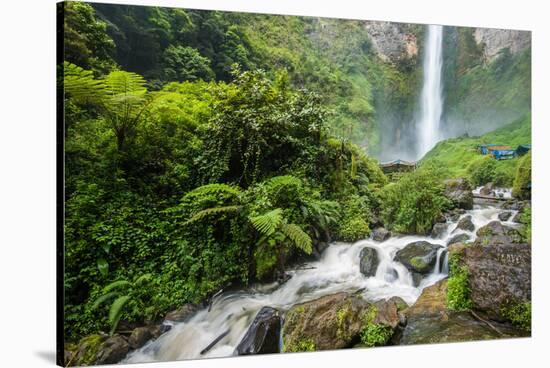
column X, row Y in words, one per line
column 116, row 311
column 298, row 236
column 267, row 223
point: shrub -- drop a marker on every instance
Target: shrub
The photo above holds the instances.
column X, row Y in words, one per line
column 413, row 204
column 522, row 180
column 519, row 314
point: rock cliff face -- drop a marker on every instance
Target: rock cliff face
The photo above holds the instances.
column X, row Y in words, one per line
column 495, row 40
column 392, row 41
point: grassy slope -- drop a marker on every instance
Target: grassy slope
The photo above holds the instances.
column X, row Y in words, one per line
column 457, row 154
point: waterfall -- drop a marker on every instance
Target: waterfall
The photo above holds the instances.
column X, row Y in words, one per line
column 431, row 100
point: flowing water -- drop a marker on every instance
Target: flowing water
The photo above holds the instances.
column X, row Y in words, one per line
column 431, row 100
column 336, row 271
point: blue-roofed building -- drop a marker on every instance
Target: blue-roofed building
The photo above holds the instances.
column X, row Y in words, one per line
column 484, row 148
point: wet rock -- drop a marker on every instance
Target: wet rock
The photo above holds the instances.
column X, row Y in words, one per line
column 418, row 256
column 380, row 234
column 453, row 327
column 504, row 216
column 182, row 314
column 429, row 321
column 334, row 322
column 465, row 224
column 459, row 238
column 139, row 337
column 400, row 304
column 368, row 261
column 321, row 246
column 488, row 189
column 494, row 233
column 438, row 230
column 263, row 336
column 113, row 350
column 499, row 270
column 417, row 278
column 459, row 191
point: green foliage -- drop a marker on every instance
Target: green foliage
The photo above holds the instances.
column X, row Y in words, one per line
column 458, row 291
column 185, row 64
column 123, row 292
column 522, row 179
column 85, row 40
column 519, row 314
column 525, row 219
column 413, row 204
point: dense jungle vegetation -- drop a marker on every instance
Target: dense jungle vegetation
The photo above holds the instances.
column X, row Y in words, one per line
column 199, row 155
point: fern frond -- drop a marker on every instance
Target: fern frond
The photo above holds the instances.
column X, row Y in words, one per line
column 267, row 223
column 142, row 278
column 116, row 285
column 298, row 236
column 102, row 299
column 81, row 85
column 116, row 311
column 215, row 211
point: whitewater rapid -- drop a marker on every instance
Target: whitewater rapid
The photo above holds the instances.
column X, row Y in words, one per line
column 336, row 271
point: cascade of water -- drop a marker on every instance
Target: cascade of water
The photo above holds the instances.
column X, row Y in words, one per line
column 431, row 100
column 336, row 271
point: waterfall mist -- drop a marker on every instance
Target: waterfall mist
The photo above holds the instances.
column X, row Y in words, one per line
column 431, row 99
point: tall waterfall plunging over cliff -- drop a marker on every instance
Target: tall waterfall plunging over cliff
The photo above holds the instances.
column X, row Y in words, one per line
column 431, row 100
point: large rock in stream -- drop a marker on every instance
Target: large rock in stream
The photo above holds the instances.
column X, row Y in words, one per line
column 419, row 256
column 459, row 191
column 335, row 322
column 429, row 321
column 368, row 261
column 263, row 336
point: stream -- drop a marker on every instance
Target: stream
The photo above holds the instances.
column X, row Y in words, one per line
column 336, row 271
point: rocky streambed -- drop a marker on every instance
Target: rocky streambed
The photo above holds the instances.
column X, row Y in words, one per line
column 469, row 280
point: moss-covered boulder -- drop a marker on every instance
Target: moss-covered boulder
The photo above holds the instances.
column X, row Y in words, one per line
column 419, row 256
column 459, row 238
column 338, row 321
column 98, row 349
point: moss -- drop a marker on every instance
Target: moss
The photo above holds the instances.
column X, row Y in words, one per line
column 303, row 344
column 342, row 317
column 418, row 262
column 458, row 290
column 519, row 314
column 375, row 335
column 88, row 348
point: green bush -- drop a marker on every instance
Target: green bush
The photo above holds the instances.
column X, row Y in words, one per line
column 413, row 204
column 522, row 180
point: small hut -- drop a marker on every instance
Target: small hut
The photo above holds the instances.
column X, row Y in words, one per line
column 523, row 149
column 484, row 148
column 502, row 152
column 394, row 169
